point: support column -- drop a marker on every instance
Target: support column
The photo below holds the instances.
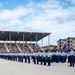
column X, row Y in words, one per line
column 23, row 41
column 36, row 38
column 19, row 42
column 49, row 41
column 42, row 42
column 10, row 38
column 36, row 41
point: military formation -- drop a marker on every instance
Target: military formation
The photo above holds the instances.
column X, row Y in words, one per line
column 40, row 57
column 37, row 57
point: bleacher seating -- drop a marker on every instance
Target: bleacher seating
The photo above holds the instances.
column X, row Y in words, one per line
column 2, row 48
column 26, row 47
column 34, row 46
column 12, row 47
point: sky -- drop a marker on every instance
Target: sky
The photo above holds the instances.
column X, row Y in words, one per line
column 53, row 16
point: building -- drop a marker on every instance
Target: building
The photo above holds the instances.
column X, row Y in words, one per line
column 50, row 47
column 60, row 43
column 70, row 43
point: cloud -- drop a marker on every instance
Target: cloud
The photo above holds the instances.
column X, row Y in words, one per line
column 9, row 19
column 47, row 16
column 73, row 1
column 16, row 13
column 57, row 20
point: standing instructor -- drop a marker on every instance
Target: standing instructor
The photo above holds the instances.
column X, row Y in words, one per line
column 71, row 57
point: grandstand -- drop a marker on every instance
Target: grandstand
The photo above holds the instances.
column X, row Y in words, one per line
column 15, row 42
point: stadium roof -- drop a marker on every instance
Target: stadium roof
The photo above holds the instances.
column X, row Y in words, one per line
column 26, row 36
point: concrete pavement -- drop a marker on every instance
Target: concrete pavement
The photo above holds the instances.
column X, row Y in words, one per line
column 17, row 68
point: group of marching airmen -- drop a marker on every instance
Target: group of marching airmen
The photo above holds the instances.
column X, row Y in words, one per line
column 41, row 57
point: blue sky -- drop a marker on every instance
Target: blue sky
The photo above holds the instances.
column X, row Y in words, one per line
column 54, row 16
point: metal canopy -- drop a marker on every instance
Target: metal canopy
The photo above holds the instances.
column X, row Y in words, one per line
column 16, row 36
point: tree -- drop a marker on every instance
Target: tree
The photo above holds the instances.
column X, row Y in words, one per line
column 46, row 50
column 54, row 49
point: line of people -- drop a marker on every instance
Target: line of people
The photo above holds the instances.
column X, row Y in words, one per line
column 19, row 57
column 48, row 57
column 71, row 57
column 40, row 57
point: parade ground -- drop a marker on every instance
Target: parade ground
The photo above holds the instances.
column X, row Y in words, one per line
column 17, row 68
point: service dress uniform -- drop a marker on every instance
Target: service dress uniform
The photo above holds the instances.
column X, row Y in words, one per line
column 71, row 57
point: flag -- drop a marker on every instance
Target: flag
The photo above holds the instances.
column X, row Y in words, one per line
column 64, row 47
